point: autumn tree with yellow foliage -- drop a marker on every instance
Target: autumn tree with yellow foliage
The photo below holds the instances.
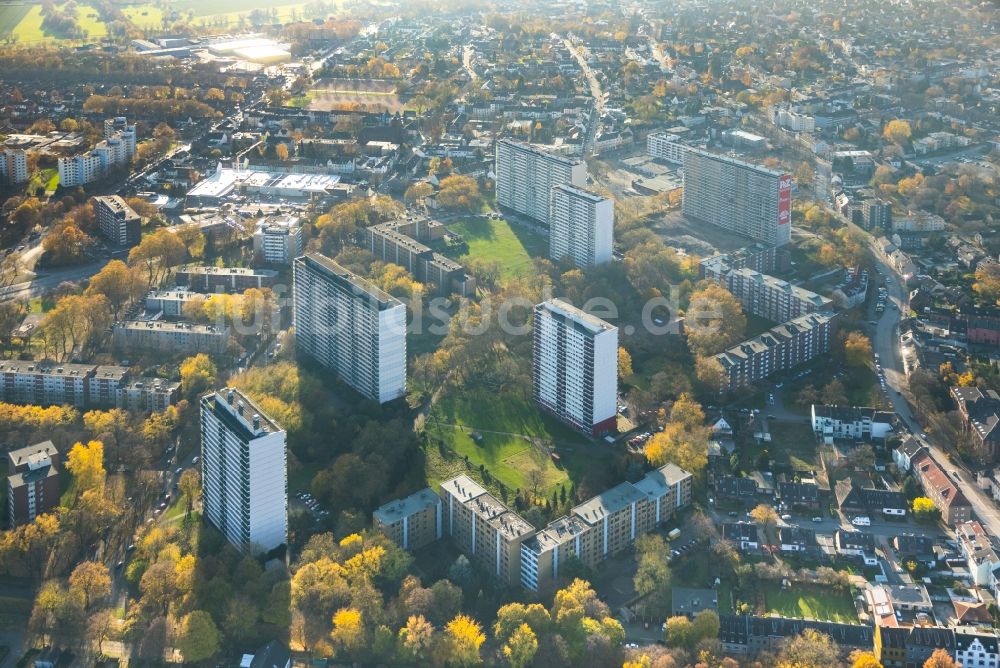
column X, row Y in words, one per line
column 684, row 439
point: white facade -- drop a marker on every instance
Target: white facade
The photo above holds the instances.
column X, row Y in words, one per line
column 244, row 472
column 14, row 166
column 79, row 169
column 738, row 196
column 581, row 226
column 525, row 176
column 347, row 324
column 977, row 651
column 792, row 119
column 278, row 241
column 665, row 146
column 576, row 366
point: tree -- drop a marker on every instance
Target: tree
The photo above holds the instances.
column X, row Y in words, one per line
column 709, row 372
column 86, row 463
column 804, row 174
column 766, row 516
column 521, row 647
column 652, row 575
column 156, row 254
column 348, row 632
column 941, row 659
column 810, row 649
column 189, row 484
column 90, row 580
column 679, row 632
column 417, row 192
column 714, row 320
column 463, row 638
column 624, row 364
column 198, row 374
column 199, row 637
column 987, row 284
column 857, row 349
column 924, row 508
column 834, row 393
column 897, row 131
column 281, row 151
column 861, row 659
column 458, row 192
column 416, row 639
column 687, row 449
column 705, row 626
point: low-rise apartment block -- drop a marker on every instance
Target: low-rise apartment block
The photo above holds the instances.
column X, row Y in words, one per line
column 783, row 347
column 150, row 396
column 411, row 522
column 981, row 418
column 176, row 337
column 484, row 528
column 33, row 483
column 225, row 279
column 47, row 383
column 851, row 423
column 401, row 242
column 772, row 298
column 169, row 302
column 666, row 146
column 278, row 241
column 939, row 487
column 604, row 525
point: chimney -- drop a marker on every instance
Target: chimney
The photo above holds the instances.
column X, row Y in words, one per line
column 256, row 422
column 231, row 397
column 239, row 408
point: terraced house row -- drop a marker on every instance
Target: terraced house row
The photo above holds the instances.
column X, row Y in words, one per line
column 504, row 544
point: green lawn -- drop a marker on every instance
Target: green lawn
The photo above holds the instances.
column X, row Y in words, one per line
column 144, row 16
column 510, row 245
column 29, row 28
column 813, row 602
column 503, row 422
column 11, row 16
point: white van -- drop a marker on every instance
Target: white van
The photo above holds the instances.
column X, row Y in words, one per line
column 862, row 521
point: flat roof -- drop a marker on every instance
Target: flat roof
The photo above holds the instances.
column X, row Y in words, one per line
column 348, row 280
column 225, row 404
column 395, row 510
column 566, row 312
column 608, row 502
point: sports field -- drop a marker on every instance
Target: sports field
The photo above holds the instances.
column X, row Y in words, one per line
column 364, row 94
column 803, row 601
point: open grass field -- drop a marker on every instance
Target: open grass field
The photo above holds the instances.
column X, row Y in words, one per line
column 23, row 22
column 509, row 431
column 813, row 602
column 510, row 245
column 370, row 94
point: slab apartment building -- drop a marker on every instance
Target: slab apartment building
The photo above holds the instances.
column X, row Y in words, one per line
column 347, row 324
column 738, row 196
column 526, row 174
column 575, row 367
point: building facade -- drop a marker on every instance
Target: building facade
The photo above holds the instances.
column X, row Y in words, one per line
column 177, row 337
column 525, row 176
column 149, row 396
column 225, row 279
column 411, row 522
column 850, row 422
column 575, row 366
column 14, row 166
column 665, row 146
column 738, row 196
column 244, row 472
column 33, row 483
column 772, row 298
column 484, row 529
column 278, row 241
column 117, row 221
column 45, row 383
column 783, row 347
column 581, row 227
column 350, row 326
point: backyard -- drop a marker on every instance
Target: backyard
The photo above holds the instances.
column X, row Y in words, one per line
column 510, row 438
column 511, row 245
column 810, row 602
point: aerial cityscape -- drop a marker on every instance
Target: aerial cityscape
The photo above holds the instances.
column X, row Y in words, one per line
column 451, row 333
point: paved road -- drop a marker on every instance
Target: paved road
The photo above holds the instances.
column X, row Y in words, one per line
column 49, row 281
column 885, row 342
column 593, row 128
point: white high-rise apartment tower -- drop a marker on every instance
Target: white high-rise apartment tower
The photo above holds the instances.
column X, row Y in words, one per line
column 243, row 472
column 581, row 227
column 575, row 366
column 739, row 196
column 350, row 326
column 525, row 176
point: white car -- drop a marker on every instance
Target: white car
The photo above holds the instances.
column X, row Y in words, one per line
column 862, row 521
